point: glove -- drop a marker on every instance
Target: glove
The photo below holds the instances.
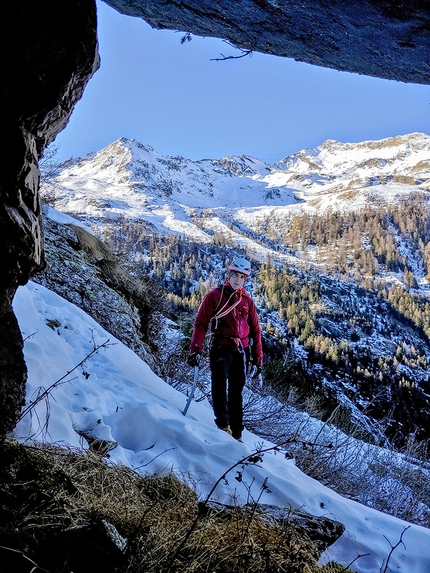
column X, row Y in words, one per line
column 194, row 359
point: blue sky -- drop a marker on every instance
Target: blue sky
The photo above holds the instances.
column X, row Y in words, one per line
column 175, row 98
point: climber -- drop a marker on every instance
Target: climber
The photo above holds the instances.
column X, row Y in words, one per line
column 232, row 316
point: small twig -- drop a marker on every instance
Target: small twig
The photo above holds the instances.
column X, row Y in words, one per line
column 134, row 533
column 243, row 54
column 347, row 568
column 30, row 336
column 35, row 565
column 393, row 548
column 154, row 458
column 255, row 503
column 61, row 380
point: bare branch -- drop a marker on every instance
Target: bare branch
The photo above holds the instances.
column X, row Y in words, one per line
column 36, row 567
column 61, row 380
column 243, row 53
column 393, row 548
column 359, row 556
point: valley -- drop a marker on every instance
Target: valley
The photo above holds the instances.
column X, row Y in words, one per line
column 339, row 239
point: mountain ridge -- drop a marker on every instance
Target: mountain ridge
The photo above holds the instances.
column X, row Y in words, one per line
column 357, row 233
column 128, row 179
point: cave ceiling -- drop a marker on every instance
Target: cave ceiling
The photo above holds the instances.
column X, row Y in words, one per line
column 385, row 39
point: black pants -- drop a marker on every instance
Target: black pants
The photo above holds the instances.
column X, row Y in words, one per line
column 228, row 368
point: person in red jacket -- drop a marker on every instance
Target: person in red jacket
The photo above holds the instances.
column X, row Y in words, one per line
column 232, row 316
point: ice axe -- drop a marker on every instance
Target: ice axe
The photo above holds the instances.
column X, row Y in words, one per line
column 190, row 397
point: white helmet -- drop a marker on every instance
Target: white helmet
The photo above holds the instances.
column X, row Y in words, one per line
column 241, row 266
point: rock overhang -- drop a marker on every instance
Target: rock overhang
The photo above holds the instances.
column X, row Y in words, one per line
column 380, row 38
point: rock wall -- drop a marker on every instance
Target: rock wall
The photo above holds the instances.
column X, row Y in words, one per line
column 84, row 271
column 48, row 53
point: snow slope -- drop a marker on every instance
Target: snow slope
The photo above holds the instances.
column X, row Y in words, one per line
column 115, row 396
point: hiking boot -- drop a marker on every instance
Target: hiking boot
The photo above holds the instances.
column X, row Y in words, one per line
column 225, row 429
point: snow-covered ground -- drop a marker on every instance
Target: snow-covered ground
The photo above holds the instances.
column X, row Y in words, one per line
column 115, row 396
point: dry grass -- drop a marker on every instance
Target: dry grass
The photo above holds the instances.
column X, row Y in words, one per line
column 349, row 195
column 47, row 490
column 404, row 180
column 340, row 455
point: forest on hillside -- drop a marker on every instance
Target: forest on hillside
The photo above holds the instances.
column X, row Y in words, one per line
column 362, row 244
column 355, row 322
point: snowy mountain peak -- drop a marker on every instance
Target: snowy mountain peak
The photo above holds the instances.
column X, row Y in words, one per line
column 332, row 157
column 131, row 180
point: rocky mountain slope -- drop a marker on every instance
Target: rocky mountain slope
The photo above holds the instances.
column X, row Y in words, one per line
column 200, row 198
column 341, row 232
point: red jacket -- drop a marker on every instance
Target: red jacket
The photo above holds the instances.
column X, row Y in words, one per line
column 241, row 322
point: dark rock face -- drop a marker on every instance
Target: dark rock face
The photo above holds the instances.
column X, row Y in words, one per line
column 48, row 53
column 321, row 531
column 380, row 38
column 13, row 370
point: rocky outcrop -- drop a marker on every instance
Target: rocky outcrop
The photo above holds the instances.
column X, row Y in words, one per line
column 319, row 531
column 48, row 53
column 384, row 39
column 81, row 269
